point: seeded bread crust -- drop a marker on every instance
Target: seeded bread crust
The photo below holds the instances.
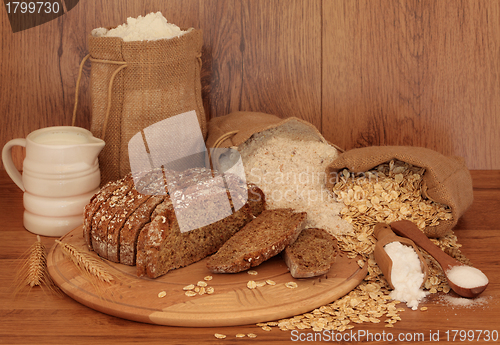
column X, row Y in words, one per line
column 132, row 228
column 161, row 246
column 115, row 218
column 312, row 254
column 94, row 205
column 134, row 199
column 103, row 216
column 262, row 238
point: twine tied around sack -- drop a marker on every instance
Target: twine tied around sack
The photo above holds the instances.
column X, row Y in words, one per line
column 110, row 88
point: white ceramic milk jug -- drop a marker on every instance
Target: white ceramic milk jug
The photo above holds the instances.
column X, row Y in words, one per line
column 60, row 175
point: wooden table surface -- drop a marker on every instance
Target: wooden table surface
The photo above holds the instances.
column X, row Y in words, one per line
column 44, row 318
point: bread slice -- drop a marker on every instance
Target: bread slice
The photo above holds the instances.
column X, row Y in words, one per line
column 122, row 213
column 94, row 205
column 101, row 219
column 133, row 226
column 162, row 247
column 256, row 199
column 312, row 254
column 262, row 238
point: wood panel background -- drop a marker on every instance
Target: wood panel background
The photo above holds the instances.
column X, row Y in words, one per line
column 423, row 73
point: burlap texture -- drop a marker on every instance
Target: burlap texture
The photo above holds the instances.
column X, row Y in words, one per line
column 161, row 79
column 247, row 123
column 244, row 124
column 446, row 179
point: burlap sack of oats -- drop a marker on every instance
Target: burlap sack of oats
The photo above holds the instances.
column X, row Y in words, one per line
column 136, row 84
column 446, row 180
column 235, row 128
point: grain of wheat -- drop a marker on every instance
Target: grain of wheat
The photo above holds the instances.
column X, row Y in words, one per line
column 86, row 262
column 33, row 271
column 37, row 264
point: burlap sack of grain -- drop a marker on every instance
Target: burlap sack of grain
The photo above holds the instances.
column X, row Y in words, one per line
column 148, row 81
column 446, row 179
column 237, row 127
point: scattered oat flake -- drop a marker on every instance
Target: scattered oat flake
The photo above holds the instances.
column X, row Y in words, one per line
column 209, row 290
column 252, row 272
column 291, row 285
column 202, row 291
column 251, row 284
column 207, row 278
column 202, row 283
column 219, row 336
column 188, row 287
column 162, row 294
column 266, row 328
column 190, row 293
column 240, row 335
column 270, row 282
column 424, row 308
column 252, row 335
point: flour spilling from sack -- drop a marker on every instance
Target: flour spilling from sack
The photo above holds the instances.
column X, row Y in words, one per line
column 153, row 26
column 291, row 173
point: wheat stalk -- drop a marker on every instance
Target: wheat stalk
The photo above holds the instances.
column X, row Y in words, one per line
column 33, row 271
column 86, row 262
column 37, row 264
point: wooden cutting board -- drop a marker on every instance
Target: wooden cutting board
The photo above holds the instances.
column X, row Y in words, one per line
column 231, row 304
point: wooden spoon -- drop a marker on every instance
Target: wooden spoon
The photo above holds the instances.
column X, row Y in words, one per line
column 385, row 235
column 410, row 230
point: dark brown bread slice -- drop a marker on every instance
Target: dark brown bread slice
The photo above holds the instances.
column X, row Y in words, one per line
column 262, row 238
column 93, row 206
column 132, row 227
column 99, row 231
column 312, row 254
column 161, row 246
column 256, row 199
column 134, row 199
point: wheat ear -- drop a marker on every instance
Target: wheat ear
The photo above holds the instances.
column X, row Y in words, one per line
column 86, row 262
column 33, row 271
column 37, row 264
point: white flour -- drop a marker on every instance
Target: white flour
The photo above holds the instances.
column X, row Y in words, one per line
column 467, row 277
column 291, row 173
column 153, row 26
column 406, row 274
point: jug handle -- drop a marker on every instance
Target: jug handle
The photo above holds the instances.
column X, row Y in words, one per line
column 8, row 164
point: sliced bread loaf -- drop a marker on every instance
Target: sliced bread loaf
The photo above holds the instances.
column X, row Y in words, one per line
column 312, row 254
column 162, row 247
column 132, row 228
column 99, row 230
column 93, row 207
column 262, row 238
